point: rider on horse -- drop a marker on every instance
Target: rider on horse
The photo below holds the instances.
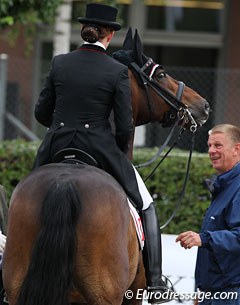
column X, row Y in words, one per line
column 80, row 91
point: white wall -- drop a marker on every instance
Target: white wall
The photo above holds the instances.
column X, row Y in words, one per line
column 179, row 266
column 139, row 137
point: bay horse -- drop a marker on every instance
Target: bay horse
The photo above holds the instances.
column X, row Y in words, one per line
column 71, row 238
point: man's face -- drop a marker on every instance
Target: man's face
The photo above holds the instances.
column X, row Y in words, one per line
column 223, row 153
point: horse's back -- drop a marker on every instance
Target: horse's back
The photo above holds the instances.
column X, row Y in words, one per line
column 103, row 243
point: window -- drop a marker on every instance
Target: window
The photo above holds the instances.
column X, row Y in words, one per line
column 188, row 15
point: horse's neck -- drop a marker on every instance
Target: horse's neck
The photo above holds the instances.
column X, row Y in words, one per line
column 130, row 151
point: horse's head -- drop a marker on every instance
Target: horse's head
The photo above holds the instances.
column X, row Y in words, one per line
column 168, row 99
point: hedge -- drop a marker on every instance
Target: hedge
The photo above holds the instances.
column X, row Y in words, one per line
column 16, row 160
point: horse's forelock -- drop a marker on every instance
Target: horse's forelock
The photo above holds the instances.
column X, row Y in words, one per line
column 124, row 57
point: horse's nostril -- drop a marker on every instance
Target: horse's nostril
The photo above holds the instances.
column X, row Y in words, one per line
column 207, row 106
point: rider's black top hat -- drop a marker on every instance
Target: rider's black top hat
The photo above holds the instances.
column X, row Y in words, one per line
column 101, row 14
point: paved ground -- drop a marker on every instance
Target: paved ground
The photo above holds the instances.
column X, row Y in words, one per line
column 178, row 265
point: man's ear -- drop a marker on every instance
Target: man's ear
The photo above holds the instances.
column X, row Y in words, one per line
column 237, row 148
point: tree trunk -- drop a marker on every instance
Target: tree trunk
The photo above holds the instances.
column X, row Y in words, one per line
column 62, row 33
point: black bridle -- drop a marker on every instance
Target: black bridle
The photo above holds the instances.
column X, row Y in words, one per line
column 178, row 110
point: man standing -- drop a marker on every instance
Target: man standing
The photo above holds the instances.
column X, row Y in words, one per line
column 218, row 260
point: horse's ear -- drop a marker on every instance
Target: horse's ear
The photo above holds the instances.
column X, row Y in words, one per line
column 128, row 42
column 137, row 49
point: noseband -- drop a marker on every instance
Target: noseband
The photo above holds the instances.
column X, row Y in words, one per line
column 178, row 110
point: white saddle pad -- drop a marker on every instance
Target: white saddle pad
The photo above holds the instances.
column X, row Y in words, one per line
column 138, row 224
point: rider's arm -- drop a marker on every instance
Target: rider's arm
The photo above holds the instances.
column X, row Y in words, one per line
column 45, row 106
column 123, row 111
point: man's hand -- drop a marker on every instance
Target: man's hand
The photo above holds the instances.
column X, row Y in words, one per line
column 189, row 239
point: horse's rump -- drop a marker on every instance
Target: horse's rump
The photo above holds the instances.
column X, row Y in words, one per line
column 95, row 265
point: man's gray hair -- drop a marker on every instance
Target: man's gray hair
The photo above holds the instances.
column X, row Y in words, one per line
column 231, row 130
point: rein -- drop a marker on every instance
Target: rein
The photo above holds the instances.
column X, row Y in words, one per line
column 177, row 206
column 164, row 157
column 178, row 96
column 174, row 101
column 160, row 150
column 182, row 112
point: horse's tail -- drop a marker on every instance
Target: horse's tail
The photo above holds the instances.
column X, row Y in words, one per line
column 49, row 278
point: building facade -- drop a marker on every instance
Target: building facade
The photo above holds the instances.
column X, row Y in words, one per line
column 196, row 41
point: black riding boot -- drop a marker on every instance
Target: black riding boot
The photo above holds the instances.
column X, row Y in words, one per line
column 152, row 258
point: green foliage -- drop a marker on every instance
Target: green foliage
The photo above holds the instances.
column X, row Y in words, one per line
column 16, row 160
column 33, row 12
column 26, row 15
column 166, row 185
column 27, row 12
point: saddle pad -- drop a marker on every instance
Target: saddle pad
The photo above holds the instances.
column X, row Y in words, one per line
column 138, row 224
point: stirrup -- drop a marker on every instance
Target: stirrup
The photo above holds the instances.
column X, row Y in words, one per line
column 167, row 282
column 161, row 294
column 167, row 285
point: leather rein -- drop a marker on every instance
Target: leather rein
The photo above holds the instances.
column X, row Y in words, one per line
column 178, row 112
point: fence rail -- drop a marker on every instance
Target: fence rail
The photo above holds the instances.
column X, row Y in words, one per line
column 3, row 86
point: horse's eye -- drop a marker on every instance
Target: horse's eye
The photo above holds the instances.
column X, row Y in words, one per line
column 161, row 75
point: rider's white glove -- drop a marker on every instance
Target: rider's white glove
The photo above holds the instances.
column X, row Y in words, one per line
column 2, row 242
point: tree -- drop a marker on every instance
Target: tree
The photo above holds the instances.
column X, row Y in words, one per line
column 27, row 12
column 62, row 28
column 33, row 12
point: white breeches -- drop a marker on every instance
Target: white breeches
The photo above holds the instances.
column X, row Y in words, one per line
column 146, row 197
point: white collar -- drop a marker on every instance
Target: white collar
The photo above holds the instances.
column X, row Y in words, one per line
column 98, row 43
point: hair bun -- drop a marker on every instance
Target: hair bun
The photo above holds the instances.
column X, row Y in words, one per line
column 90, row 33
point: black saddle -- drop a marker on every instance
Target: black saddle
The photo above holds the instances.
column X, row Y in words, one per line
column 74, row 156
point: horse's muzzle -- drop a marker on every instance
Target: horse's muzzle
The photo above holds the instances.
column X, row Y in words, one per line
column 201, row 114
column 206, row 111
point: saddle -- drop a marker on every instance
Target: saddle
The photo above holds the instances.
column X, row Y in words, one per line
column 74, row 156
